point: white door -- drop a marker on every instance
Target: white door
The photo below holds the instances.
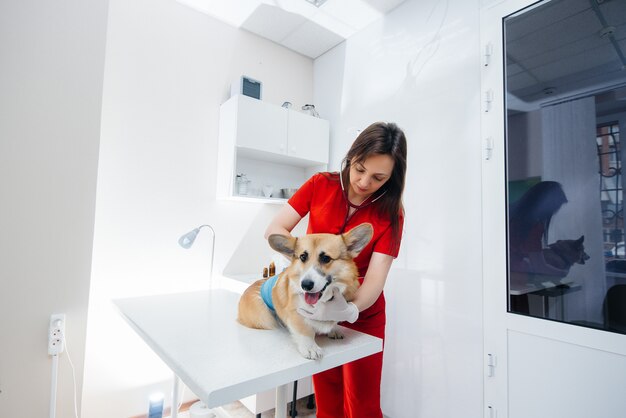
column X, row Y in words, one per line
column 548, row 353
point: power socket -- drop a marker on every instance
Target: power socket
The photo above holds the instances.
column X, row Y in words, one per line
column 56, row 334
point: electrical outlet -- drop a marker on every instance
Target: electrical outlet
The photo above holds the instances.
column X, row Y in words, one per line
column 56, row 334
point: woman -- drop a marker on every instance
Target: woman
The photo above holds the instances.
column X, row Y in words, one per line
column 529, row 221
column 367, row 189
column 530, row 216
column 529, row 224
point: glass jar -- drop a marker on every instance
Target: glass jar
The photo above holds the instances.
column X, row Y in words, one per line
column 242, row 184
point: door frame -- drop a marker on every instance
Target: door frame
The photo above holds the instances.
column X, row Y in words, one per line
column 498, row 322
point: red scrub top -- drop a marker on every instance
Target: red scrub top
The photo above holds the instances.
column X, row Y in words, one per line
column 322, row 197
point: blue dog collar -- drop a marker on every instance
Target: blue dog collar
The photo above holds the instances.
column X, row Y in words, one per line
column 266, row 291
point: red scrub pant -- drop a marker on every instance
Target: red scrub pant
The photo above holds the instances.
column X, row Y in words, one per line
column 353, row 390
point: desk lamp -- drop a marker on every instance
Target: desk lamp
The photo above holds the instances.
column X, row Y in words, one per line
column 198, row 409
column 187, row 240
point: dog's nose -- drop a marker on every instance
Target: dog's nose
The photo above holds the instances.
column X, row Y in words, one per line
column 307, row 284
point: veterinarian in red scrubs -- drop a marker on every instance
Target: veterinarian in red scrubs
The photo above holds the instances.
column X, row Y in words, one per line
column 368, row 189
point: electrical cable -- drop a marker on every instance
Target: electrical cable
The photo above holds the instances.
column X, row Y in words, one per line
column 73, row 378
column 53, row 386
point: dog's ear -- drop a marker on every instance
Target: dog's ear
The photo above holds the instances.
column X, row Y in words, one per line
column 580, row 240
column 283, row 244
column 357, row 238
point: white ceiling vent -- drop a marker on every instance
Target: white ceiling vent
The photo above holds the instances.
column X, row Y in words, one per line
column 316, row 3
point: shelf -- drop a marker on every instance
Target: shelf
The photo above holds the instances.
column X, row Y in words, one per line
column 276, row 158
column 271, row 145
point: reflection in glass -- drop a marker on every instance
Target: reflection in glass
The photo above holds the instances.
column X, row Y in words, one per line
column 609, row 159
column 566, row 104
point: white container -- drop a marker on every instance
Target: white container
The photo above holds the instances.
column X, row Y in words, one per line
column 268, row 189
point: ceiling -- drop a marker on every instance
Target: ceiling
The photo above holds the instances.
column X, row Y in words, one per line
column 558, row 50
column 566, row 48
column 297, row 24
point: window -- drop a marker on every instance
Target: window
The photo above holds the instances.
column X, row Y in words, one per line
column 609, row 158
column 564, row 108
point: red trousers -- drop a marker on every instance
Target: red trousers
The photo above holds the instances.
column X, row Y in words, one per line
column 353, row 390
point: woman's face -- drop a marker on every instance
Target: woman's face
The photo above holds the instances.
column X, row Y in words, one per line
column 370, row 175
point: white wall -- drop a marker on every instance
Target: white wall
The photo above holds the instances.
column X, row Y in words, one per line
column 168, row 69
column 52, row 60
column 419, row 67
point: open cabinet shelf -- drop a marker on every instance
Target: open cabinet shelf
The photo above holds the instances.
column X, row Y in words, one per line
column 271, row 145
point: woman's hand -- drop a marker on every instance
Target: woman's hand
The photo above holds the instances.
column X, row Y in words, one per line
column 336, row 309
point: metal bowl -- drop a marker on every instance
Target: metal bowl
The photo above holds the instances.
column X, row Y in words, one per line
column 287, row 193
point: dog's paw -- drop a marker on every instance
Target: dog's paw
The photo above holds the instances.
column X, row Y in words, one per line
column 335, row 335
column 312, row 352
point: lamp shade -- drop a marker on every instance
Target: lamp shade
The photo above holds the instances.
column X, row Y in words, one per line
column 186, row 241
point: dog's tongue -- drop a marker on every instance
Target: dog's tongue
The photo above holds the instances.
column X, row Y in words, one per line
column 312, row 298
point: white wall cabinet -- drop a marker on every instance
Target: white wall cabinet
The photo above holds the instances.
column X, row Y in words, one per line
column 307, row 137
column 258, row 125
column 270, row 144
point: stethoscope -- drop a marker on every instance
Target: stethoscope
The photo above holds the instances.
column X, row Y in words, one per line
column 350, row 204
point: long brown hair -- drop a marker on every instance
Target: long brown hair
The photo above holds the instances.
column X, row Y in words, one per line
column 382, row 138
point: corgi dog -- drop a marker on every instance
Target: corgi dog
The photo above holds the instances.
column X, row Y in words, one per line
column 319, row 263
column 564, row 253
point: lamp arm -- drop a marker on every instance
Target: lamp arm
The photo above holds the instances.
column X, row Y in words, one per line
column 212, row 251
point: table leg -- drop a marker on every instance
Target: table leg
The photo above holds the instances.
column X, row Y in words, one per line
column 174, row 413
column 293, row 411
column 281, row 401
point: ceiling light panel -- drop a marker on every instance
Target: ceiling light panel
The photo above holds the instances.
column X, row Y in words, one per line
column 300, row 40
column 231, row 12
column 272, row 22
column 333, row 24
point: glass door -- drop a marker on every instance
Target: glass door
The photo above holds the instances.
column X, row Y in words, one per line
column 555, row 293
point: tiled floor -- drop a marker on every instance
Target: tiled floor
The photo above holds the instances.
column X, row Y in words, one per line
column 237, row 410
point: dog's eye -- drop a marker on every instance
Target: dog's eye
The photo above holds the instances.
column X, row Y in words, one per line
column 304, row 256
column 324, row 259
